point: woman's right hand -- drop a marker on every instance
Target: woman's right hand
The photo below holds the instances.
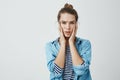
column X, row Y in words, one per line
column 62, row 39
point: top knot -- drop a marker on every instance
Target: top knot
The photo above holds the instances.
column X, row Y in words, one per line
column 68, row 6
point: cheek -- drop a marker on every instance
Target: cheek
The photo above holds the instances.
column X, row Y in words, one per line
column 72, row 28
column 63, row 28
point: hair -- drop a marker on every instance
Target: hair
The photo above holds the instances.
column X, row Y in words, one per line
column 68, row 8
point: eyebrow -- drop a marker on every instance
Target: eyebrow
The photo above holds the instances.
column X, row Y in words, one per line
column 67, row 21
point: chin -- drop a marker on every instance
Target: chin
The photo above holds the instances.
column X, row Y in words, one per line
column 67, row 36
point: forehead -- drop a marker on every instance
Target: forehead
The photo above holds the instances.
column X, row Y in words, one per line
column 67, row 17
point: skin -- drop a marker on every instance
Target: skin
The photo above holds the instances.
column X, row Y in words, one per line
column 67, row 25
column 67, row 28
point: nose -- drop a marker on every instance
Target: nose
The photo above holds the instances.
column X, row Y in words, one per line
column 67, row 26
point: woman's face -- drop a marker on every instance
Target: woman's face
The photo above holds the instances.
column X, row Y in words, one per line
column 67, row 22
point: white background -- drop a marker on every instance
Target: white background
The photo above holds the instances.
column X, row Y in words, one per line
column 27, row 25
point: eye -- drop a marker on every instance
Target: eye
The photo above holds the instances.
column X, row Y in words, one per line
column 72, row 22
column 63, row 22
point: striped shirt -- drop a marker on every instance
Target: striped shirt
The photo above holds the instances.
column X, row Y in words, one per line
column 68, row 73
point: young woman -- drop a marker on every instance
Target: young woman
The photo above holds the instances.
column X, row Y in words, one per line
column 68, row 57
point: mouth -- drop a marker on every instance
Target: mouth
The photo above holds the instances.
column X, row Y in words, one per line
column 67, row 32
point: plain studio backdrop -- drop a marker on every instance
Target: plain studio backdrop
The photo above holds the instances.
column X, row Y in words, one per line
column 27, row 25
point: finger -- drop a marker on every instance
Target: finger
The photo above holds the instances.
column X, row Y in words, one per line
column 76, row 28
column 74, row 32
column 61, row 31
column 59, row 27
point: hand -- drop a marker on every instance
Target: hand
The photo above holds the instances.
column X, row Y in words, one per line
column 72, row 37
column 62, row 39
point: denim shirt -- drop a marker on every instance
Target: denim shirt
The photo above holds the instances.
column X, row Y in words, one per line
column 81, row 71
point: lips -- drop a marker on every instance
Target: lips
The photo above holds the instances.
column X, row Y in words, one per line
column 67, row 32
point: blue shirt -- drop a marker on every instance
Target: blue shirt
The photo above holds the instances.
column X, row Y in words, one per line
column 81, row 72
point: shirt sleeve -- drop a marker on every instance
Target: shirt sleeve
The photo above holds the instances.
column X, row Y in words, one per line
column 86, row 56
column 55, row 70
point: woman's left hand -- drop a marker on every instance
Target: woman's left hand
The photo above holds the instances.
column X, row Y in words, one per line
column 72, row 37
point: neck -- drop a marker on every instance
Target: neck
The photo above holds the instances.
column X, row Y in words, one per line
column 67, row 42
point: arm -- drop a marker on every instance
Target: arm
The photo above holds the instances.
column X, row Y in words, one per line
column 56, row 64
column 76, row 59
column 81, row 66
column 81, row 61
column 53, row 67
column 60, row 59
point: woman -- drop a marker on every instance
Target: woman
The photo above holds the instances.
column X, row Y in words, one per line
column 68, row 57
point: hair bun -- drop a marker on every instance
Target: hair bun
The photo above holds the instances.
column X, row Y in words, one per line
column 68, row 6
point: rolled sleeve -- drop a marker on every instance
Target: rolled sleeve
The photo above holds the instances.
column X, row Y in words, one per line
column 55, row 70
column 86, row 56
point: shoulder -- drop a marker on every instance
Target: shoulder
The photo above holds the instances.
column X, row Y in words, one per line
column 83, row 41
column 51, row 43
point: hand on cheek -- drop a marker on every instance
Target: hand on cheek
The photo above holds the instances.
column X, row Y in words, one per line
column 72, row 37
column 62, row 38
